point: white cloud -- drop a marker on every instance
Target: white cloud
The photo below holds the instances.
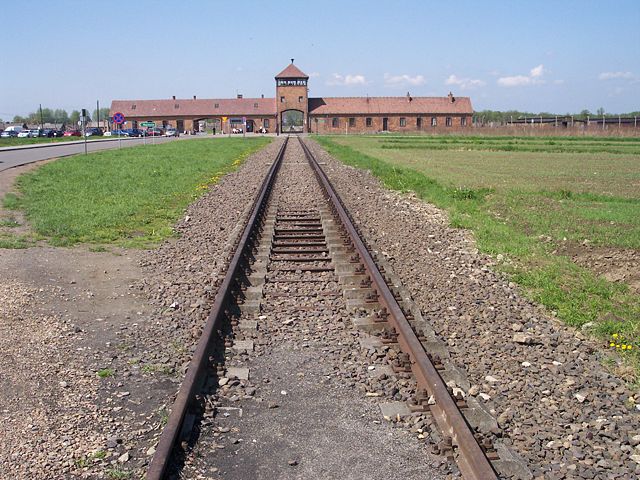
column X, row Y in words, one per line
column 346, row 80
column 534, row 77
column 403, row 80
column 464, row 83
column 314, row 74
column 615, row 75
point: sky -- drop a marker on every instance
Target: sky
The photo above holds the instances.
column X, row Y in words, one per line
column 544, row 55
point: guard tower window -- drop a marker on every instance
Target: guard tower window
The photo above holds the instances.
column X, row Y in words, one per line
column 434, row 121
column 281, row 99
column 368, row 121
column 300, row 99
column 334, row 122
column 352, row 122
column 403, row 122
column 133, row 107
column 418, row 122
column 177, row 105
column 217, row 105
column 449, row 122
column 463, row 121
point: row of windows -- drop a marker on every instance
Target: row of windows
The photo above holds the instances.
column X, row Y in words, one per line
column 335, row 121
column 300, row 99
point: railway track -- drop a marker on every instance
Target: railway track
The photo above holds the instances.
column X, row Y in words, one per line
column 305, row 254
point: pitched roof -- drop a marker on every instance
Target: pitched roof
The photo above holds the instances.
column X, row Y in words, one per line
column 389, row 105
column 292, row 72
column 198, row 107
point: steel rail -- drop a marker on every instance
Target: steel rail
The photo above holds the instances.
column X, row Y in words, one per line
column 193, row 378
column 471, row 459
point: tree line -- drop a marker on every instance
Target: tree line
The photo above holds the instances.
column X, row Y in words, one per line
column 57, row 116
column 497, row 116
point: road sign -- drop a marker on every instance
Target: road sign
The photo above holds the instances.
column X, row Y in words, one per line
column 224, row 119
column 148, row 124
column 118, row 118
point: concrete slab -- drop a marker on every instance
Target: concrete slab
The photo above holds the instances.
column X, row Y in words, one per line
column 393, row 410
column 241, row 373
column 241, row 346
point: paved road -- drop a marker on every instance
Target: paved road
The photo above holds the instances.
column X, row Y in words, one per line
column 14, row 157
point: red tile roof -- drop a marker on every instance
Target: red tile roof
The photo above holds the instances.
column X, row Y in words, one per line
column 388, row 105
column 292, row 72
column 200, row 107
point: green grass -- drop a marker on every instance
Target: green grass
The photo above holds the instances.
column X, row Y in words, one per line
column 17, row 142
column 105, row 373
column 509, row 217
column 129, row 197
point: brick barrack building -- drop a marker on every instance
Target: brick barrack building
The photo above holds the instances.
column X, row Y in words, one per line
column 293, row 111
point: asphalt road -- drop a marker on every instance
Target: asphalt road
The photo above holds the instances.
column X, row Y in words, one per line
column 14, row 157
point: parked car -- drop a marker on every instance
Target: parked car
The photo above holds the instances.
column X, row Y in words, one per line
column 25, row 134
column 72, row 133
column 93, row 132
column 9, row 134
column 134, row 132
column 155, row 132
column 172, row 132
column 48, row 132
column 117, row 133
column 58, row 133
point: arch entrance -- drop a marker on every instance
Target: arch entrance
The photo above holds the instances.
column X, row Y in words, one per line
column 292, row 121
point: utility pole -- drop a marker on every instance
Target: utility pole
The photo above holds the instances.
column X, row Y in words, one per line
column 41, row 122
column 98, row 113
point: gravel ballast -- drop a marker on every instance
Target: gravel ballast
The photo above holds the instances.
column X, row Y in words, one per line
column 555, row 402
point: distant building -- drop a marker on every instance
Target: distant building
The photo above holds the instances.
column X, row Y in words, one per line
column 293, row 111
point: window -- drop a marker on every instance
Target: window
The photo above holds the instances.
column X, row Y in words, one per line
column 265, row 122
column 217, row 105
column 133, row 107
column 300, row 99
column 368, row 121
column 255, row 105
column 463, row 121
column 403, row 122
column 418, row 122
column 334, row 122
column 434, row 121
column 177, row 105
column 281, row 99
column 352, row 122
column 449, row 122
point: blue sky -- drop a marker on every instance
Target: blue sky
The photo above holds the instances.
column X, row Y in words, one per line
column 544, row 55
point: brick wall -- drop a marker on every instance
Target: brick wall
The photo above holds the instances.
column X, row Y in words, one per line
column 395, row 123
column 292, row 94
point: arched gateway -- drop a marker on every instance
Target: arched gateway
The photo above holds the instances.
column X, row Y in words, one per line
column 292, row 100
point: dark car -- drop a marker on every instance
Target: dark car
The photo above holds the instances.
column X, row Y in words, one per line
column 135, row 132
column 93, row 132
column 48, row 132
column 119, row 133
column 9, row 134
column 58, row 133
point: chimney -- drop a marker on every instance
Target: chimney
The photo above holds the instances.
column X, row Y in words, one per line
column 451, row 97
column 262, row 96
column 239, row 95
column 174, row 97
column 409, row 97
column 194, row 97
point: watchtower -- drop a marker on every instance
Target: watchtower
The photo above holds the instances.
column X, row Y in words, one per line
column 292, row 100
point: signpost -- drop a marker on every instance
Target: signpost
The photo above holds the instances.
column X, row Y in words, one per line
column 244, row 126
column 118, row 118
column 224, row 120
column 148, row 124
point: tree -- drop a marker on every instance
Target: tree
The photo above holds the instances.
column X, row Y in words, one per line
column 104, row 114
column 60, row 116
column 74, row 117
column 600, row 112
column 19, row 119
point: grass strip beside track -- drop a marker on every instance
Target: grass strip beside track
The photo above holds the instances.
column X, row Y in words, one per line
column 130, row 197
column 512, row 221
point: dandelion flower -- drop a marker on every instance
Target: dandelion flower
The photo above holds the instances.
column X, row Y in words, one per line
column 615, row 335
column 612, row 344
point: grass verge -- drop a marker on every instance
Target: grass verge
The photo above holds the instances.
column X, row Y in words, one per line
column 577, row 295
column 129, row 197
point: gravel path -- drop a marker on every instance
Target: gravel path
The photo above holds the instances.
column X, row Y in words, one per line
column 554, row 401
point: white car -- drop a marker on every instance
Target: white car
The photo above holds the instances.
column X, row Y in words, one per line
column 25, row 134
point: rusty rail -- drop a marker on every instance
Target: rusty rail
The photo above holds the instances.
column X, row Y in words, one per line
column 471, row 459
column 193, row 379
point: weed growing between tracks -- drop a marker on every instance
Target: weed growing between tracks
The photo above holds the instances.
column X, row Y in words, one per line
column 129, row 197
column 526, row 228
